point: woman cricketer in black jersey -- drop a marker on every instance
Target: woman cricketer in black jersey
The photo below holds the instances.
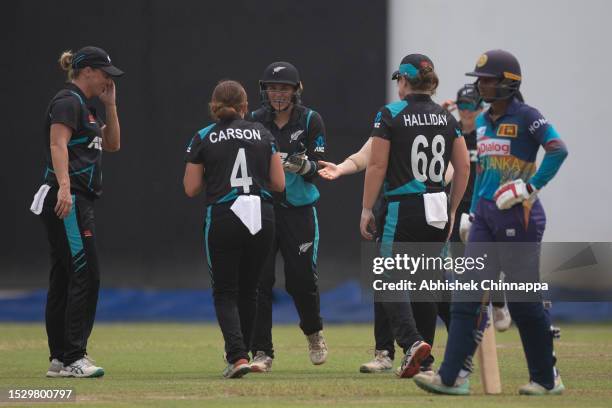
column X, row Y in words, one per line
column 74, row 139
column 412, row 142
column 236, row 162
column 300, row 134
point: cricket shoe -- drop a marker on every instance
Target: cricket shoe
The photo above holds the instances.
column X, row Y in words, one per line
column 382, row 363
column 237, row 369
column 82, row 368
column 534, row 388
column 411, row 363
column 55, row 368
column 433, row 383
column 428, row 370
column 317, row 349
column 261, row 363
column 501, row 318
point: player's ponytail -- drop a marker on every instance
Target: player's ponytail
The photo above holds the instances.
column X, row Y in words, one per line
column 65, row 61
column 426, row 81
column 229, row 101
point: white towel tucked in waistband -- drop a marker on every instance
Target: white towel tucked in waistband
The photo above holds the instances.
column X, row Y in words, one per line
column 39, row 199
column 436, row 207
column 248, row 209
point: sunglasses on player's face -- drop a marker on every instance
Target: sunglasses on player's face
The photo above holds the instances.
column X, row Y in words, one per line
column 469, row 106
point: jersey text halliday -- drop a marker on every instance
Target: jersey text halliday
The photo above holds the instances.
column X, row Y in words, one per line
column 430, row 119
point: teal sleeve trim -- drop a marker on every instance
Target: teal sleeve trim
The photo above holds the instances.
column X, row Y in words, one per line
column 308, row 119
column 78, row 141
column 396, row 107
column 204, row 132
column 555, row 155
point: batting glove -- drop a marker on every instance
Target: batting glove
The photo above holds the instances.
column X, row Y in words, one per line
column 512, row 193
column 464, row 226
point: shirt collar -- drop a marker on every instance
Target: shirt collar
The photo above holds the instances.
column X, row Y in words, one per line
column 418, row 97
column 296, row 114
column 512, row 108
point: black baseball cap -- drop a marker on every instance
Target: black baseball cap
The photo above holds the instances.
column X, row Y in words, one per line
column 95, row 57
column 411, row 65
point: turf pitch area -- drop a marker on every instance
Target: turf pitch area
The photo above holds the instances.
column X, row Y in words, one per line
column 180, row 364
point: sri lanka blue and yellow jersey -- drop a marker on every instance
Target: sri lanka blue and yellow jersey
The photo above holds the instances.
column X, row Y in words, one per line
column 508, row 146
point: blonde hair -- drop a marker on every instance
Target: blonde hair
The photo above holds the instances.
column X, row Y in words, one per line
column 65, row 61
column 228, row 99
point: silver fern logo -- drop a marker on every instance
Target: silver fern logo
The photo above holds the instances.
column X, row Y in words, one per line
column 295, row 135
column 304, row 247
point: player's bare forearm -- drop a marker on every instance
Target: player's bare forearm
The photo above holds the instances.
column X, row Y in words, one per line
column 461, row 173
column 59, row 157
column 193, row 180
column 359, row 161
column 376, row 171
column 373, row 182
column 458, row 187
column 59, row 137
column 112, row 131
column 348, row 167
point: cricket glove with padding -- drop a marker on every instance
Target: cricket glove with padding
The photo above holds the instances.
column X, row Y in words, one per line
column 512, row 193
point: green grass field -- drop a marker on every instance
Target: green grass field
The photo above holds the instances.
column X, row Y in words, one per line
column 180, row 364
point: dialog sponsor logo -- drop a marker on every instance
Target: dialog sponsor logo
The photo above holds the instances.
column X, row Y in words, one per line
column 494, row 147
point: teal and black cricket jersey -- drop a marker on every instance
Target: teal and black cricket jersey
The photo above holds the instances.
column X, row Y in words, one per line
column 69, row 107
column 421, row 133
column 236, row 156
column 305, row 130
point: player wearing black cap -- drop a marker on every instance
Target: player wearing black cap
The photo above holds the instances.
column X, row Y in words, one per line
column 413, row 141
column 505, row 209
column 237, row 162
column 74, row 139
column 300, row 135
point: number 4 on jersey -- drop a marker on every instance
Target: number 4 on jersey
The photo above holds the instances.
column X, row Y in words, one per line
column 244, row 180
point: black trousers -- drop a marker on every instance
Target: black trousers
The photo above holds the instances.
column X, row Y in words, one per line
column 407, row 322
column 297, row 239
column 236, row 259
column 74, row 280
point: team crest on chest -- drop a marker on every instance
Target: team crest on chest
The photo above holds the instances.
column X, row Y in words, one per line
column 507, row 130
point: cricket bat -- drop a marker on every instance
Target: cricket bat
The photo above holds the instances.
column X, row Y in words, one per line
column 487, row 358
